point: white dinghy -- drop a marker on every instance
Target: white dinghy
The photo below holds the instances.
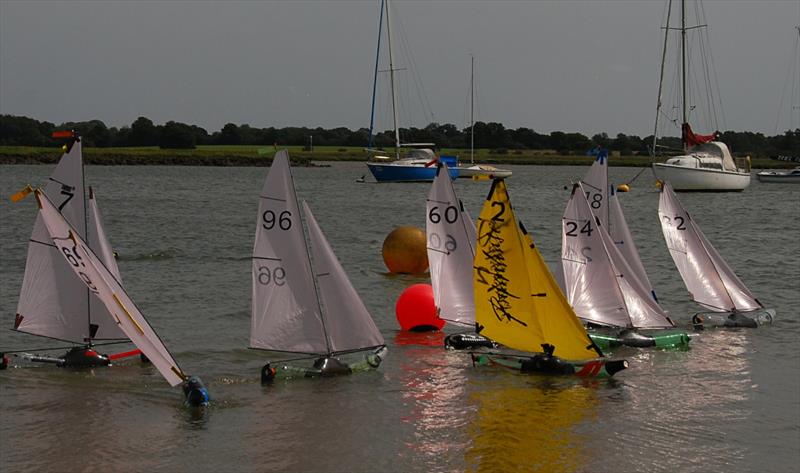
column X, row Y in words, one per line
column 708, row 278
column 289, row 293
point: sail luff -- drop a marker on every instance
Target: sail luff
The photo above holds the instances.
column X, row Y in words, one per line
column 450, row 251
column 349, row 324
column 98, row 279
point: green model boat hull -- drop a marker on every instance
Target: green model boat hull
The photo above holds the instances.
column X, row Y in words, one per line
column 547, row 364
column 666, row 338
column 323, row 367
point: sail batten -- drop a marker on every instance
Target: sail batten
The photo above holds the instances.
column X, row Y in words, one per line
column 450, row 236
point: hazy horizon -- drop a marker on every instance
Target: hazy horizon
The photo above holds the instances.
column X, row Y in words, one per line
column 579, row 66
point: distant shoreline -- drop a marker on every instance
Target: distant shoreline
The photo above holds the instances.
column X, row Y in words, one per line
column 260, row 157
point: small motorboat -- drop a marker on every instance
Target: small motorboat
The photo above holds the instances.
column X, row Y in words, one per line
column 792, row 175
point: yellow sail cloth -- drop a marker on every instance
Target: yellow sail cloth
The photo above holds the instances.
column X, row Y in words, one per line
column 517, row 302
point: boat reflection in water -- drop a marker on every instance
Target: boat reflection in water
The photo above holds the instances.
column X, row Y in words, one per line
column 434, row 382
column 530, row 427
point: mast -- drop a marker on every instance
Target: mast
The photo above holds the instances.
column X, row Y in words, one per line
column 683, row 71
column 471, row 109
column 660, row 78
column 391, row 83
column 375, row 77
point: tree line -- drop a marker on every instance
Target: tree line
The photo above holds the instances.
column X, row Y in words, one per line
column 24, row 131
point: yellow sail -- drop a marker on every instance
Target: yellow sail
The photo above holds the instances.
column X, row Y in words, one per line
column 503, row 306
column 560, row 325
column 517, row 302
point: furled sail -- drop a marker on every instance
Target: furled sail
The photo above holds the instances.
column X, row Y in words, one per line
column 102, row 283
column 510, row 308
column 53, row 302
column 349, row 325
column 286, row 314
column 709, row 279
column 451, row 250
column 600, row 284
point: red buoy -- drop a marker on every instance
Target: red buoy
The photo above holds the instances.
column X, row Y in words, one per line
column 416, row 311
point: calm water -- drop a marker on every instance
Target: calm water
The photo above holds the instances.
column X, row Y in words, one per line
column 184, row 235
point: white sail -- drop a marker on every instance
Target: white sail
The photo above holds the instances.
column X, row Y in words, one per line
column 623, row 240
column 53, row 302
column 347, row 321
column 286, row 314
column 99, row 243
column 595, row 185
column 709, row 279
column 451, row 250
column 605, row 204
column 601, row 286
column 99, row 280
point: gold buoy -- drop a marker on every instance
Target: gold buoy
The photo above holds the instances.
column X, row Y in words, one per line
column 405, row 250
column 623, row 188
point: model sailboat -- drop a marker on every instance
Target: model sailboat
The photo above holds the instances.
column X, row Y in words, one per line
column 602, row 286
column 604, row 278
column 519, row 305
column 71, row 293
column 289, row 293
column 451, row 251
column 709, row 279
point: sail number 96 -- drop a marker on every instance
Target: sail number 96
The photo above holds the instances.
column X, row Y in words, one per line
column 270, row 219
column 268, row 276
column 450, row 214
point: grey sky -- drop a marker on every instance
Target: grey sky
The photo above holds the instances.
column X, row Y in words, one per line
column 587, row 66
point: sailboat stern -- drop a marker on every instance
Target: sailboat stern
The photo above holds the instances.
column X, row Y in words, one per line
column 638, row 338
column 735, row 319
column 545, row 363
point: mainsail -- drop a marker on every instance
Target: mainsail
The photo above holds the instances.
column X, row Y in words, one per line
column 451, row 250
column 709, row 279
column 91, row 272
column 349, row 325
column 605, row 204
column 599, row 282
column 511, row 307
column 286, row 313
column 53, row 302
